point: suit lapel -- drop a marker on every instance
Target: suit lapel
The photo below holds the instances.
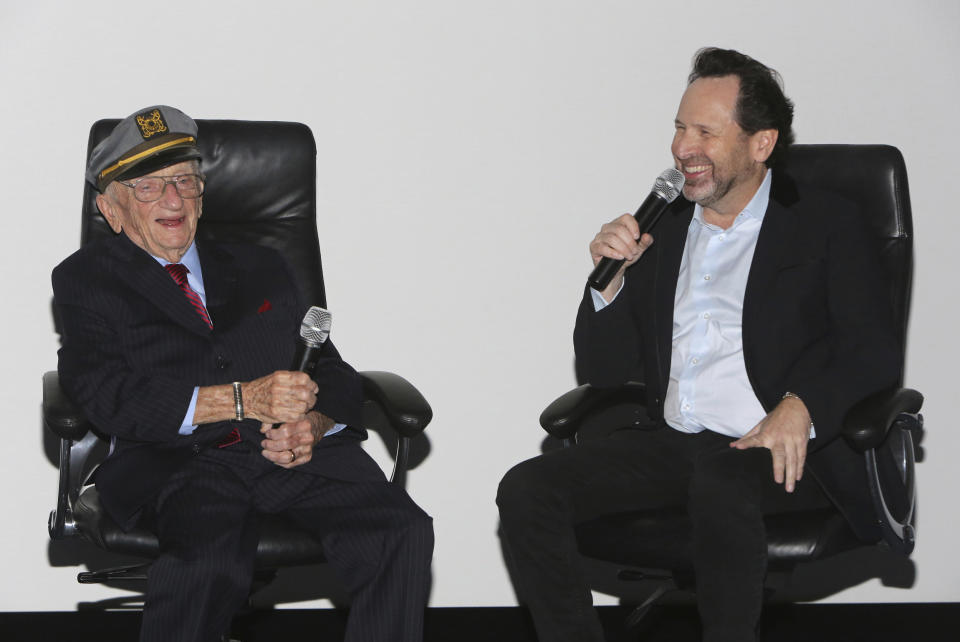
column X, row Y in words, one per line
column 145, row 276
column 671, row 240
column 776, row 235
column 220, row 283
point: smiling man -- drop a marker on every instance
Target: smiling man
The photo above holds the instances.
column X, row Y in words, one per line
column 758, row 319
column 169, row 348
column 159, row 220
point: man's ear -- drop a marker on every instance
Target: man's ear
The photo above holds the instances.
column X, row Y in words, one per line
column 109, row 208
column 762, row 143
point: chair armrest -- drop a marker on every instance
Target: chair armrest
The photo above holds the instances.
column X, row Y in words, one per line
column 882, row 428
column 77, row 444
column 402, row 404
column 867, row 423
column 60, row 414
column 564, row 417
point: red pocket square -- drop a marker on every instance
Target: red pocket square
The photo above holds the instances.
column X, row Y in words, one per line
column 264, row 306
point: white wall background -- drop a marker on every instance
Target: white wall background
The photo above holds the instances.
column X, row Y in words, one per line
column 468, row 151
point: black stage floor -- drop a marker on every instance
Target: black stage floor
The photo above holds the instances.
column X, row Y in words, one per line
column 934, row 622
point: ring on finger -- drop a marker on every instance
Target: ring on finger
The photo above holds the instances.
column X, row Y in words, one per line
column 293, row 455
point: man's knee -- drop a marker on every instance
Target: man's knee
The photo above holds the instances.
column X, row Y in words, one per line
column 522, row 487
column 414, row 537
column 407, row 523
column 416, row 524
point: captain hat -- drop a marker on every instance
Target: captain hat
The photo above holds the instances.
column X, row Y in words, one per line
column 143, row 142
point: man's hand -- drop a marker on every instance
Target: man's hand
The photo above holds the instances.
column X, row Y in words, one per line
column 280, row 397
column 619, row 239
column 785, row 431
column 291, row 444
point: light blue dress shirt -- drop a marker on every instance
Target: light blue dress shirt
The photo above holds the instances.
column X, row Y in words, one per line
column 709, row 388
column 195, row 280
column 190, row 260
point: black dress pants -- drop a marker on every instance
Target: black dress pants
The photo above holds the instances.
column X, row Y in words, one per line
column 377, row 539
column 726, row 492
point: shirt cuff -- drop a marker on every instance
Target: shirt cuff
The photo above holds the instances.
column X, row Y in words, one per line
column 187, row 427
column 336, row 428
column 599, row 302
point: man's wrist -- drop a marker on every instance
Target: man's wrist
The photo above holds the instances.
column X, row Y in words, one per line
column 792, row 395
column 600, row 301
column 316, row 424
column 238, row 400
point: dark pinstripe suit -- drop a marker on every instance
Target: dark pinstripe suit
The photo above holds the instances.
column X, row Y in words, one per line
column 133, row 350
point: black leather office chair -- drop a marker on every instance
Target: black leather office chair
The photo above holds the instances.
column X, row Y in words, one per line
column 261, row 188
column 881, row 427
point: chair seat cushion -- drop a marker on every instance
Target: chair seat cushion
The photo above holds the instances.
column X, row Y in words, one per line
column 662, row 539
column 281, row 543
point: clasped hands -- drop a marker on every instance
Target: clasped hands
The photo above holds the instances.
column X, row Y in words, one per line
column 285, row 399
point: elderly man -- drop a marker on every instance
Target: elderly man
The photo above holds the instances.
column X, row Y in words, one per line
column 757, row 319
column 170, row 348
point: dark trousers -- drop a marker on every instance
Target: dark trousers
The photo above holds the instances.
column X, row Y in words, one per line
column 206, row 517
column 726, row 492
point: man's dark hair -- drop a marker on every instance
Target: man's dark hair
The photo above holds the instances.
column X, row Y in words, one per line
column 761, row 103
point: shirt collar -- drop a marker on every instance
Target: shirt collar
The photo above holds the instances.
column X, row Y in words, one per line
column 756, row 208
column 191, row 259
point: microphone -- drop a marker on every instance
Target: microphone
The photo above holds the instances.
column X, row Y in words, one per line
column 665, row 191
column 314, row 330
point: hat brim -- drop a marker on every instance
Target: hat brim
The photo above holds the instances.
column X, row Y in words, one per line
column 164, row 158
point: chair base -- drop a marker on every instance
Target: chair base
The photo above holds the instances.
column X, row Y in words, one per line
column 137, row 572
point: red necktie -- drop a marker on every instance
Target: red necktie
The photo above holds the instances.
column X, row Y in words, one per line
column 179, row 273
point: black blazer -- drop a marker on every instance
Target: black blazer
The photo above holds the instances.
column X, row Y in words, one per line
column 816, row 322
column 133, row 349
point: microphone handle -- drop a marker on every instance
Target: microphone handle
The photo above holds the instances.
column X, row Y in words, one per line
column 305, row 360
column 646, row 216
column 306, row 357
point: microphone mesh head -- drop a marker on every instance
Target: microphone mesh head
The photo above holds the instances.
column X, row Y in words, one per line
column 669, row 184
column 315, row 327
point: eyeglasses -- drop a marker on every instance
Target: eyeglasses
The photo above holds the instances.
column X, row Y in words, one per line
column 151, row 188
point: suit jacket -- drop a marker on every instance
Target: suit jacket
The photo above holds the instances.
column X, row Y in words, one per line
column 134, row 349
column 816, row 322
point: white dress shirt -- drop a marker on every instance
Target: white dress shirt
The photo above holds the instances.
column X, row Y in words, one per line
column 709, row 388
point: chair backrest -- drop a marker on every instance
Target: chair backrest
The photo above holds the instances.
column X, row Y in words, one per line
column 261, row 188
column 874, row 177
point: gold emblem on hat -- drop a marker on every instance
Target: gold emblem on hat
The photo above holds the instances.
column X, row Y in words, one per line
column 151, row 123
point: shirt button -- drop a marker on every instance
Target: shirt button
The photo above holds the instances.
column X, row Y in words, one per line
column 196, row 449
column 686, row 406
column 706, row 315
column 722, row 236
column 694, row 361
column 707, row 277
